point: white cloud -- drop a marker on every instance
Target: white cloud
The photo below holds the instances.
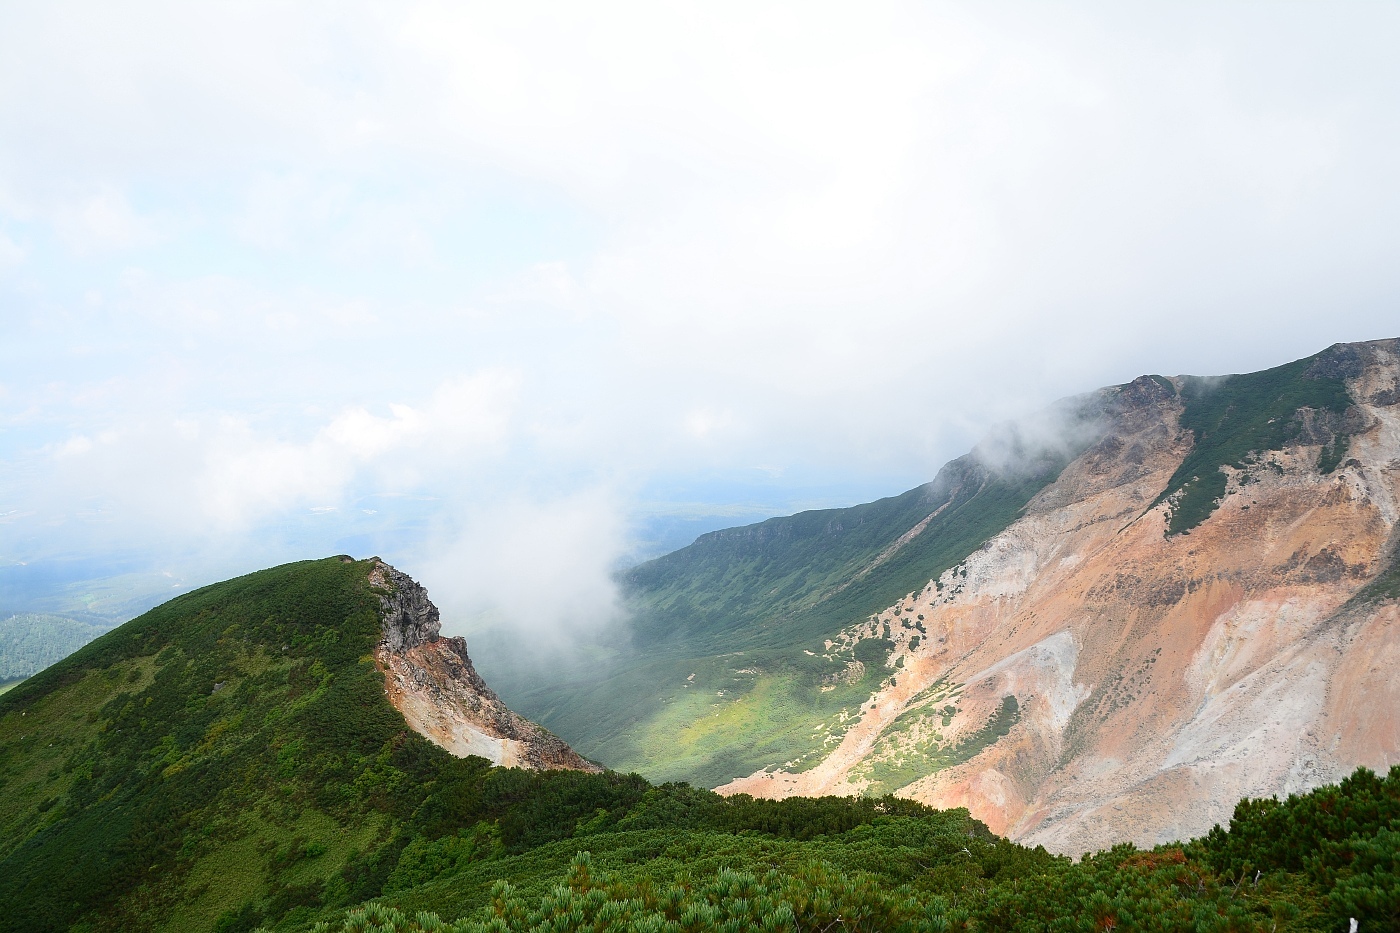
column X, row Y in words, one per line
column 542, row 566
column 690, row 239
column 226, row 475
column 11, row 253
column 104, row 221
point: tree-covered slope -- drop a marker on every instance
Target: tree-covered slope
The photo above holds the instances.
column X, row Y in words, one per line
column 684, row 861
column 230, row 754
column 172, row 766
column 31, row 641
column 1236, row 419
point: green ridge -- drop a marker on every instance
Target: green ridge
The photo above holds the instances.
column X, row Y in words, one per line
column 242, row 718
column 1235, row 419
column 805, row 575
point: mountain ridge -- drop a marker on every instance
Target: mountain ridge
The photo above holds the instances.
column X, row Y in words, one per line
column 1166, row 584
column 756, row 692
column 237, row 745
column 238, row 758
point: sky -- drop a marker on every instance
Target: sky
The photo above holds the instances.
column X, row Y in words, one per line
column 514, row 294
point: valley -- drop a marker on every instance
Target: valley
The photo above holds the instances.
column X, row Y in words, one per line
column 1133, row 668
column 1180, row 599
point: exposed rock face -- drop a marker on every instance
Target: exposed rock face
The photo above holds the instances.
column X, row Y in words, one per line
column 431, row 681
column 1156, row 678
column 410, row 618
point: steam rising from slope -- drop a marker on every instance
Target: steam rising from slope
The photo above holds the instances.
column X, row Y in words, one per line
column 1056, row 434
column 543, row 569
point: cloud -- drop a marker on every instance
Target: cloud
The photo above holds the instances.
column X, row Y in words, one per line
column 104, row 221
column 492, row 261
column 542, row 567
column 11, row 253
column 226, row 476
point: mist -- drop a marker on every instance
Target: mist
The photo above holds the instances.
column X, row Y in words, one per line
column 514, row 296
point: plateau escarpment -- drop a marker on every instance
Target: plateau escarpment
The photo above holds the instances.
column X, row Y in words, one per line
column 432, row 682
column 1193, row 600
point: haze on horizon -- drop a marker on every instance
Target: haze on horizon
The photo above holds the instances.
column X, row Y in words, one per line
column 512, row 294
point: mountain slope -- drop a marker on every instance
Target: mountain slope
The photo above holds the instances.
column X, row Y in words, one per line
column 745, row 612
column 1162, row 651
column 31, row 641
column 1322, row 862
column 1188, row 607
column 229, row 761
column 234, row 747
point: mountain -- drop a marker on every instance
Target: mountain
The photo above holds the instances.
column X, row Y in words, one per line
column 1107, row 625
column 240, row 745
column 251, row 757
column 31, row 641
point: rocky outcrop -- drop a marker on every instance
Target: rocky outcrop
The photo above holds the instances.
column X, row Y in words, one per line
column 431, row 681
column 410, row 619
column 1157, row 678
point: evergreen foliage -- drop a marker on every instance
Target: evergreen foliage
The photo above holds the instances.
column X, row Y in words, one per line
column 1345, row 838
column 1235, row 419
column 1333, row 454
column 30, row 642
column 229, row 762
column 925, row 871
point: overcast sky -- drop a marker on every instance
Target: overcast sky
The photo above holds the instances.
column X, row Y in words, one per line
column 500, row 290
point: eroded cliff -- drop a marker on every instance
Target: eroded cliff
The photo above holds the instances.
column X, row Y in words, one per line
column 431, row 681
column 1100, row 672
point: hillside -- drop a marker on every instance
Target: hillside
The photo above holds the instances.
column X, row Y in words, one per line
column 31, row 641
column 743, row 613
column 238, row 745
column 1181, row 605
column 684, row 861
column 233, row 761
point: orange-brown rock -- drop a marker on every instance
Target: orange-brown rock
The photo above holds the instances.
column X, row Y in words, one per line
column 1158, row 679
column 431, row 681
